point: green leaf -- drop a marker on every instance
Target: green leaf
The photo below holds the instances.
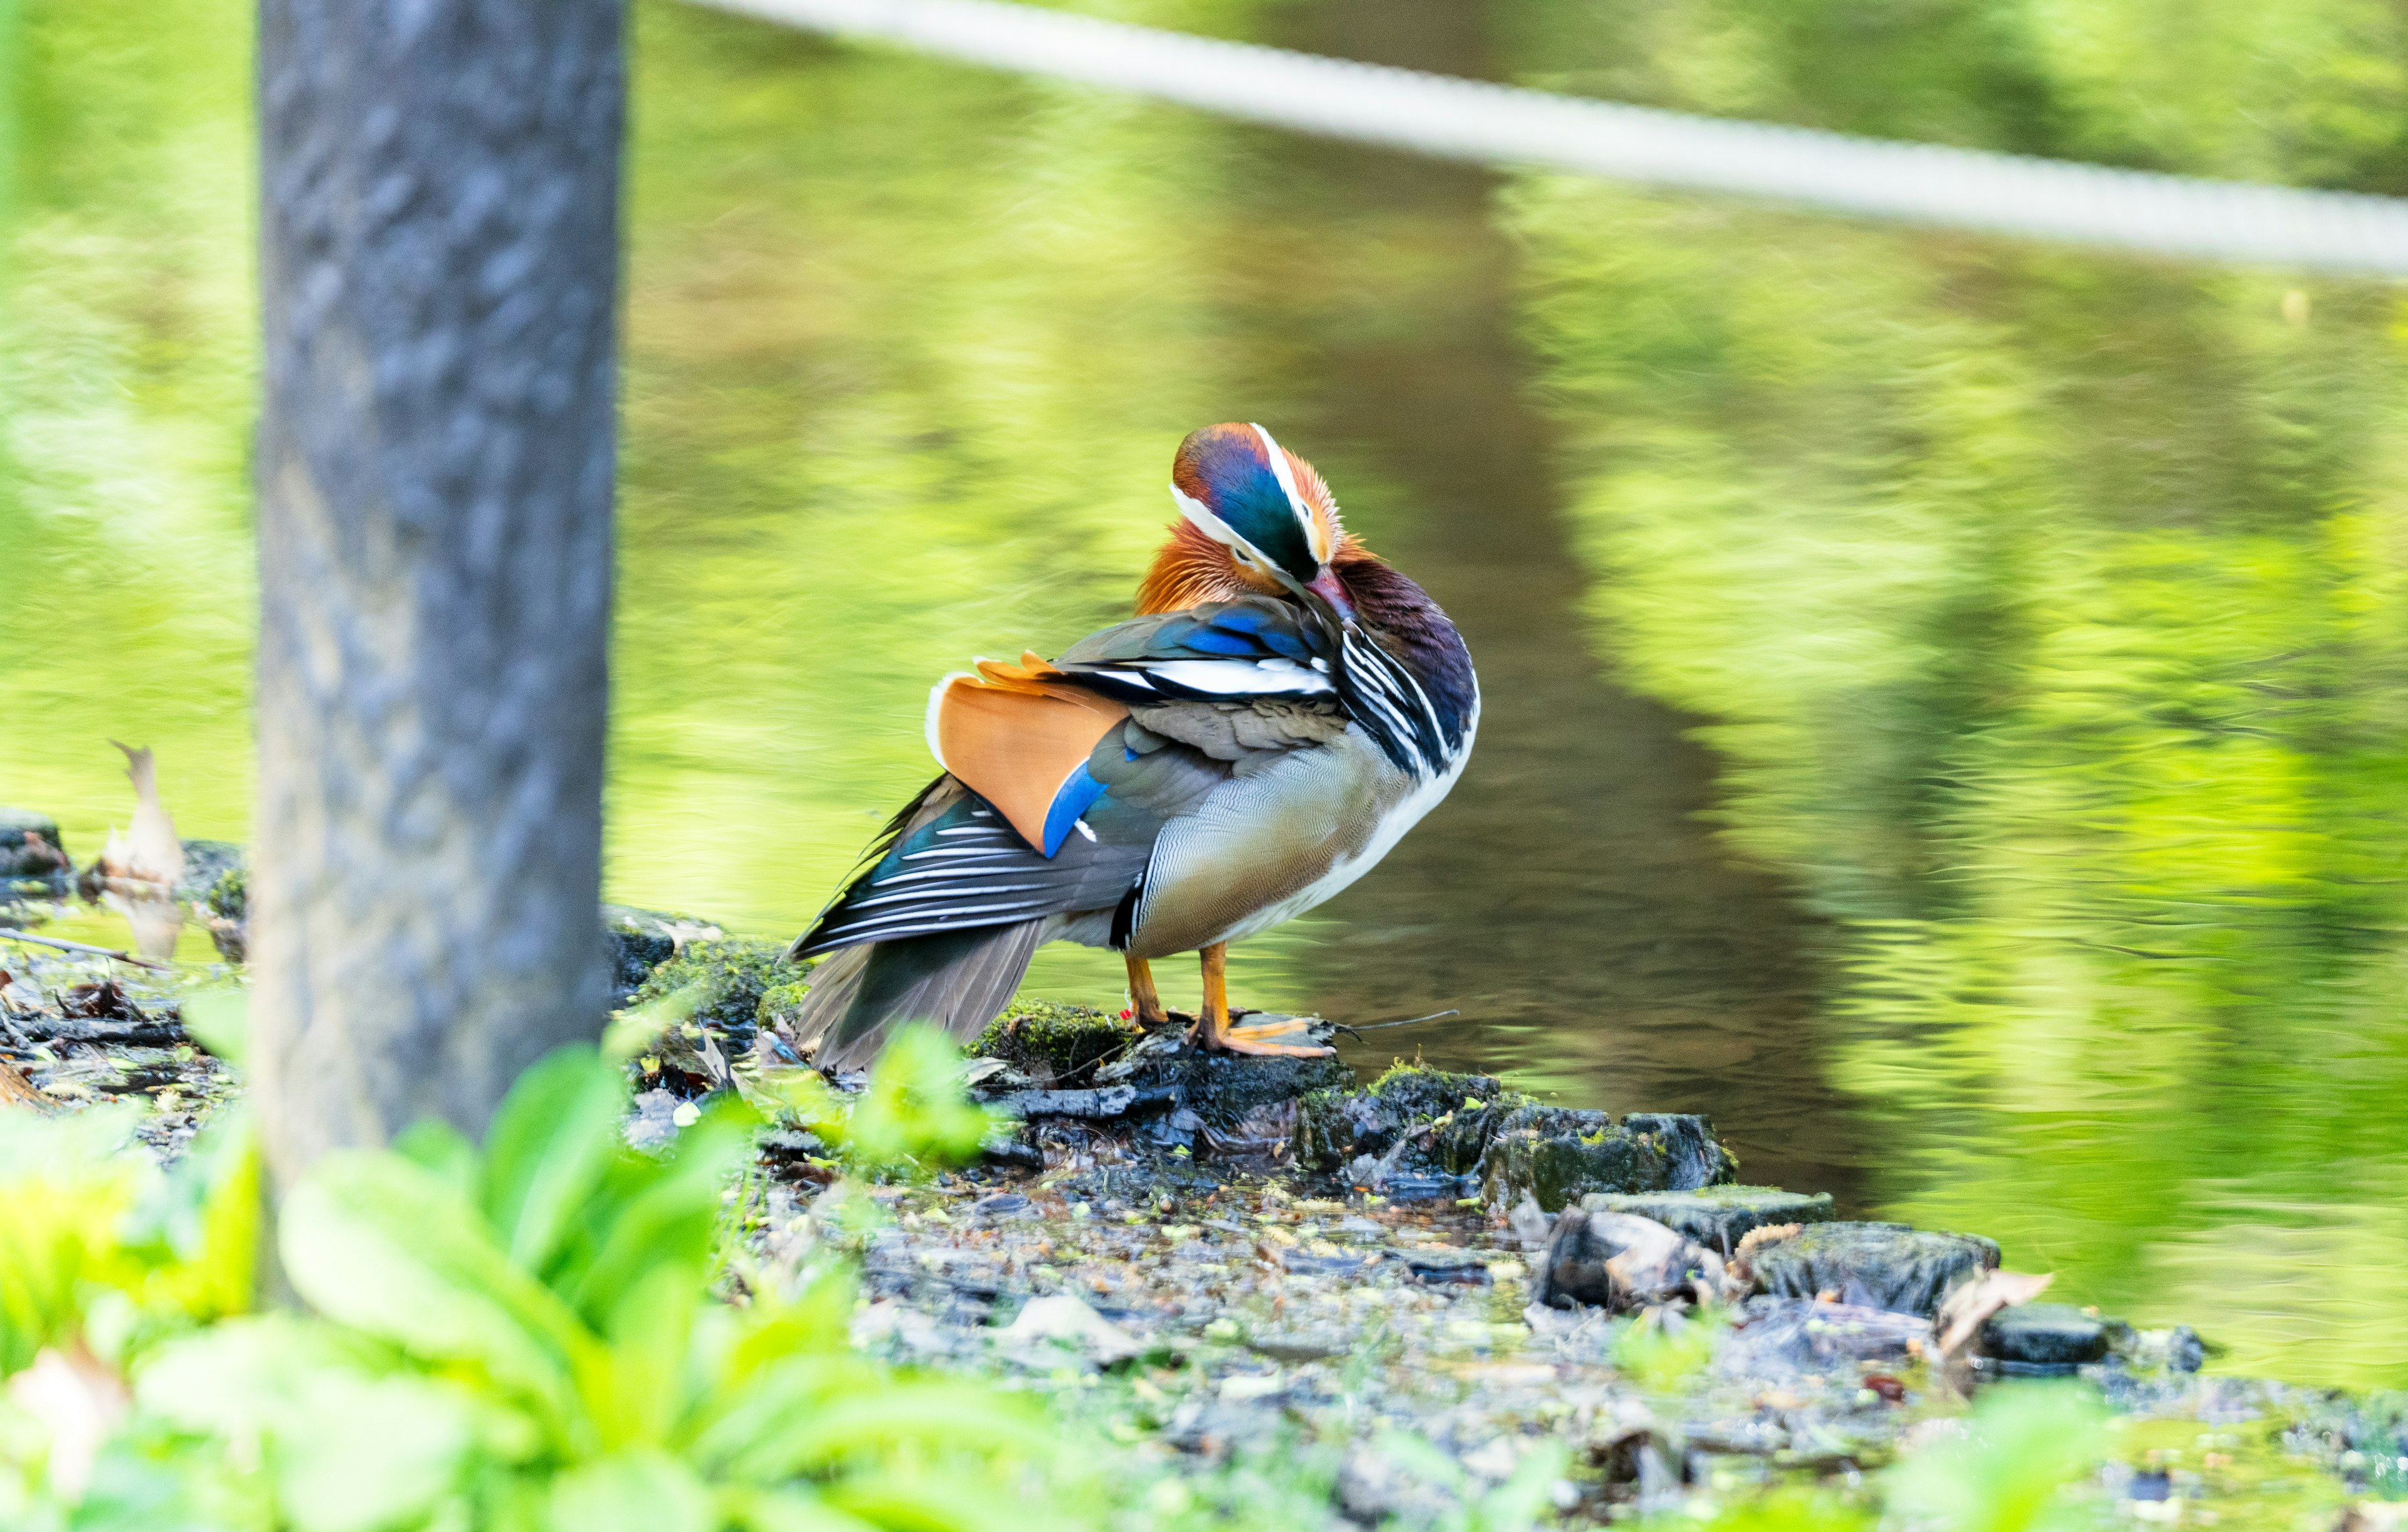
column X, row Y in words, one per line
column 915, row 1107
column 785, row 1511
column 921, row 1502
column 437, row 1146
column 740, row 1429
column 639, row 1491
column 550, row 1145
column 642, row 1391
column 385, row 1246
column 940, row 1414
column 64, row 1188
column 650, row 1211
column 350, row 1444
column 220, row 1021
column 2022, row 1447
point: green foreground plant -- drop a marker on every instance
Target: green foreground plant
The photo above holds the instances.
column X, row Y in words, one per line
column 520, row 1337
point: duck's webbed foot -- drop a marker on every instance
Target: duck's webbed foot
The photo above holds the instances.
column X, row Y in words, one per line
column 1213, row 1031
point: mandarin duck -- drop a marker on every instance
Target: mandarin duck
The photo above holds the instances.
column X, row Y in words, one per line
column 1283, row 708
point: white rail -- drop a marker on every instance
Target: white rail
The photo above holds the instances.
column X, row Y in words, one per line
column 1502, row 125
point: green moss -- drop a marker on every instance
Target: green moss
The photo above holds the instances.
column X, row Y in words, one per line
column 1558, row 1155
column 229, row 897
column 1050, row 1041
column 1422, row 1092
column 725, row 983
column 779, row 1003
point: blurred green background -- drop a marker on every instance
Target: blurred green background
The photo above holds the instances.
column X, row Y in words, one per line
column 1944, row 697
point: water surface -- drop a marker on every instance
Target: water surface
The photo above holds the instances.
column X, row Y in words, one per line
column 1943, row 699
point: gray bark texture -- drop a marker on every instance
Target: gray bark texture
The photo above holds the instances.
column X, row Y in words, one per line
column 440, row 271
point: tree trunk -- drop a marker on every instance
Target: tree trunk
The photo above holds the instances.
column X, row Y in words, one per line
column 439, row 264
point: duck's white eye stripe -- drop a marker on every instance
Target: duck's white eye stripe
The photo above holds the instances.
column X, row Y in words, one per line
column 1201, row 515
column 1313, row 537
column 1221, row 532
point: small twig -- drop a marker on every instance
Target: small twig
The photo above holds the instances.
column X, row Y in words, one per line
column 66, row 946
column 1379, row 1026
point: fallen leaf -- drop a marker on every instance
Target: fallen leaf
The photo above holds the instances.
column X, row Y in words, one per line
column 1970, row 1307
column 1060, row 1317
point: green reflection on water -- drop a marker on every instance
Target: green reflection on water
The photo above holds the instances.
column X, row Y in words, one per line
column 2044, row 615
column 2053, row 622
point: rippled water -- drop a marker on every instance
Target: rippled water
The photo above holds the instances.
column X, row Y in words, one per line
column 1943, row 699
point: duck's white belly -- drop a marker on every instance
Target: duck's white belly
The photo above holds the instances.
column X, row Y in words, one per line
column 1271, row 844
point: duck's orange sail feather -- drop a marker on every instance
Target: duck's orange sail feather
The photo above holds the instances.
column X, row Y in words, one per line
column 1014, row 733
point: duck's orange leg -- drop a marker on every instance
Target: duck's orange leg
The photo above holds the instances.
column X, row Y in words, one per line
column 1144, row 1000
column 1214, row 1031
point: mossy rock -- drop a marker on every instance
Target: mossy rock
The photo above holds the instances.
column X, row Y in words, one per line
column 31, row 849
column 724, row 981
column 1559, row 1154
column 1422, row 1092
column 1873, row 1265
column 1225, row 1089
column 229, row 897
column 1450, row 1117
column 225, row 909
column 1693, row 1158
column 778, row 1004
column 640, row 941
column 1052, row 1043
column 1717, row 1217
column 205, row 866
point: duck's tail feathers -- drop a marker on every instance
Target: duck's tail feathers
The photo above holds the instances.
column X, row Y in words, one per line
column 959, row 981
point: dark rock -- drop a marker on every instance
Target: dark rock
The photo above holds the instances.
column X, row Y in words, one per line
column 640, row 941
column 1012, row 1152
column 1345, row 1263
column 1558, row 1155
column 1415, row 1125
column 1618, row 1261
column 1774, row 1337
column 2186, row 1353
column 2037, row 1338
column 1296, row 1346
column 1693, row 1158
column 206, row 864
column 1442, row 1267
column 1124, row 1184
column 789, row 1144
column 1717, row 1217
column 1108, row 1102
column 1003, row 1205
column 2155, row 1352
column 31, row 851
column 1873, row 1265
column 1226, row 1090
column 226, row 910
